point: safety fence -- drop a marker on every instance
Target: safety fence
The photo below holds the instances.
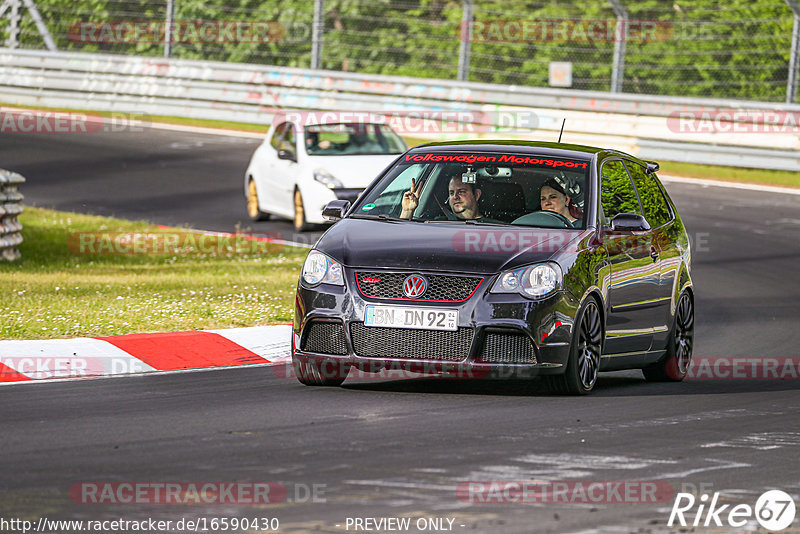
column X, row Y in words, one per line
column 716, row 132
column 10, row 208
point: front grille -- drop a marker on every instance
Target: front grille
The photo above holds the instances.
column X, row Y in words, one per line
column 377, row 342
column 507, row 347
column 324, row 337
column 441, row 288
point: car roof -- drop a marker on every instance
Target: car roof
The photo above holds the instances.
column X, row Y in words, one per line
column 520, row 146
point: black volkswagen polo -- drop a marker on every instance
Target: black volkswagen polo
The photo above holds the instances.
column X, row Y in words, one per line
column 500, row 259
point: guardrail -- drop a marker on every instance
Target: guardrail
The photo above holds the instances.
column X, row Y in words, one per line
column 10, row 207
column 752, row 134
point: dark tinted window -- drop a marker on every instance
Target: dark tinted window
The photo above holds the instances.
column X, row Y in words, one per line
column 656, row 209
column 352, row 138
column 616, row 191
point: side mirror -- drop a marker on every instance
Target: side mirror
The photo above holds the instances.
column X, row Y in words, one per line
column 652, row 167
column 285, row 154
column 335, row 209
column 629, row 222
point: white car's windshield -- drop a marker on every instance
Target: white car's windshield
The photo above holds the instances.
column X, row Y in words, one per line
column 351, row 139
column 489, row 188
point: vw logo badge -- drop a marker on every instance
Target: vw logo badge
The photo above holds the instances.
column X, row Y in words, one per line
column 415, row 285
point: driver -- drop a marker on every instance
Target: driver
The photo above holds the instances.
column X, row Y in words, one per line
column 554, row 198
column 463, row 199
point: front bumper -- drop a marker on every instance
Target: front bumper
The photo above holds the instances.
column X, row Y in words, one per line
column 499, row 335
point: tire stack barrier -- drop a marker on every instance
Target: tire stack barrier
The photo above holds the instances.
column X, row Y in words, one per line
column 10, row 208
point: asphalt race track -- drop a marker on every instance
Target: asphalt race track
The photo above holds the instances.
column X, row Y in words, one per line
column 402, row 447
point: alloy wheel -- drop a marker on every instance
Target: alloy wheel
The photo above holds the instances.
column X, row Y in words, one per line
column 684, row 334
column 589, row 345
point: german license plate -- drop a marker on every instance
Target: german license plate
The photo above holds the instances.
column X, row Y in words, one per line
column 408, row 317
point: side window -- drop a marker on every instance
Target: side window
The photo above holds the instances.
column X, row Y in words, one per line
column 654, row 205
column 289, row 140
column 275, row 141
column 617, row 194
column 388, row 202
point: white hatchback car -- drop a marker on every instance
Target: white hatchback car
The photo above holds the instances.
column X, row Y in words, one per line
column 296, row 180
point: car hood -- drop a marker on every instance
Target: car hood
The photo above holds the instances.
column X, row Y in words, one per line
column 449, row 247
column 352, row 171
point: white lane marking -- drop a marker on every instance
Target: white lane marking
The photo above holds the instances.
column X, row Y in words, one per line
column 186, row 145
column 207, row 131
column 589, row 461
column 722, row 464
column 732, row 185
column 562, row 466
column 761, row 441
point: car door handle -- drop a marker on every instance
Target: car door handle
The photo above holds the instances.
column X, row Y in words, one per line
column 654, row 253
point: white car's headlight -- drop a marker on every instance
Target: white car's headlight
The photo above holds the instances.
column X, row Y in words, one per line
column 327, row 179
column 319, row 268
column 531, row 281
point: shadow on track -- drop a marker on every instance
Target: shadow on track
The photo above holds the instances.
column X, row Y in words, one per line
column 607, row 386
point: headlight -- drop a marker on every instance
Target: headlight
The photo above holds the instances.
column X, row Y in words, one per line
column 319, row 268
column 327, row 179
column 532, row 281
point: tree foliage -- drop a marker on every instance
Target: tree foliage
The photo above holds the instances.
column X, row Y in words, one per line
column 704, row 48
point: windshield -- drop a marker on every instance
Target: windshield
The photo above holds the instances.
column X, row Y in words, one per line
column 351, row 139
column 488, row 188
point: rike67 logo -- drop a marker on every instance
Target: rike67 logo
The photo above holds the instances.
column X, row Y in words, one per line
column 774, row 511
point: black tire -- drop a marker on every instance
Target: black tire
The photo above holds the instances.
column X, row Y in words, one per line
column 312, row 372
column 299, row 220
column 678, row 359
column 253, row 210
column 580, row 376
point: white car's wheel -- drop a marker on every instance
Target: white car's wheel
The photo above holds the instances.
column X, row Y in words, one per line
column 253, row 210
column 300, row 223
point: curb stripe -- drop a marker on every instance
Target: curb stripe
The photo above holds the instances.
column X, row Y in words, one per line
column 47, row 360
column 7, row 374
column 184, row 350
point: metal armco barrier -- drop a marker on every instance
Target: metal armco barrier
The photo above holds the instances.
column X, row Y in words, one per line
column 649, row 126
column 10, row 207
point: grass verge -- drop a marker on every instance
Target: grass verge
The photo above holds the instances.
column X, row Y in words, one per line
column 65, row 287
